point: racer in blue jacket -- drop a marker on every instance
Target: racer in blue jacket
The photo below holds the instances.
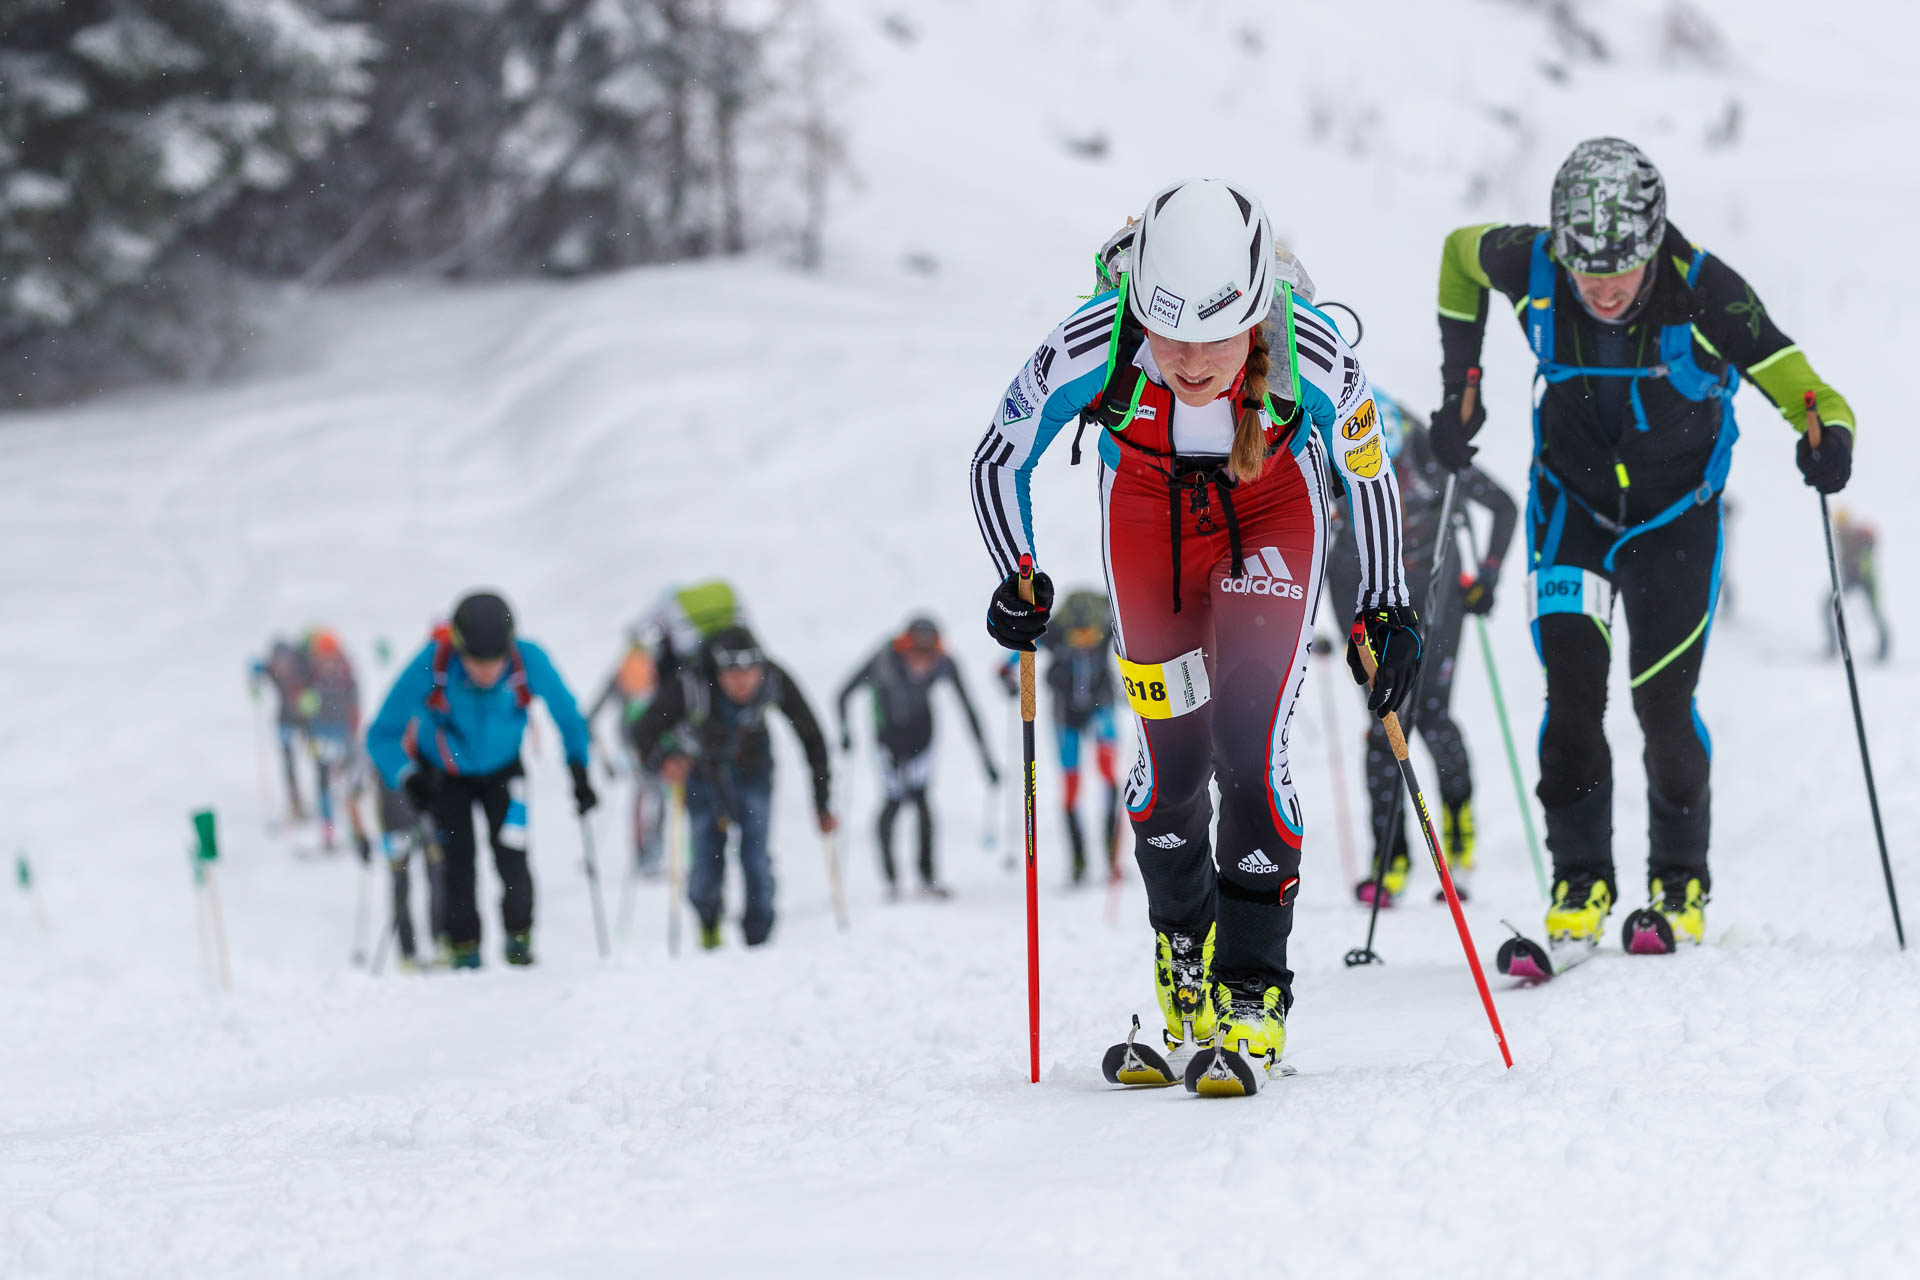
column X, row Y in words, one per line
column 466, row 696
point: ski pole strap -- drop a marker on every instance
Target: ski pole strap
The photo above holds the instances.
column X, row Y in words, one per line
column 1167, row 690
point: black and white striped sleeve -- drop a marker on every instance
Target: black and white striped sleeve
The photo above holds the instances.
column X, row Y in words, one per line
column 1335, row 393
column 1060, row 379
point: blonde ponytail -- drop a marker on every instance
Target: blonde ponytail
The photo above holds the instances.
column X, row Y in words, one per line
column 1249, row 456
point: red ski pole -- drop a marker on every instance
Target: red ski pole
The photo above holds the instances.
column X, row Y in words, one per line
column 1398, row 741
column 1027, row 710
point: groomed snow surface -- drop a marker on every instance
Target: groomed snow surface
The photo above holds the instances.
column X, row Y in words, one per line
column 857, row 1104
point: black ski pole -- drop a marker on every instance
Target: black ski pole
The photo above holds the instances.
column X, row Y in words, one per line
column 1442, row 543
column 1853, row 682
column 593, row 888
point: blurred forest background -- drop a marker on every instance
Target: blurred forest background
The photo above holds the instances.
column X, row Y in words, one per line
column 171, row 170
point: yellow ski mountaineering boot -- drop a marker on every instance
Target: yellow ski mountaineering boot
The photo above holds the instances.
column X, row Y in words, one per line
column 1581, row 904
column 1393, row 883
column 1456, row 836
column 1182, row 975
column 1253, row 1021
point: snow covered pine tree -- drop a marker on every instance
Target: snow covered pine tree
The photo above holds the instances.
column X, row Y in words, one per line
column 124, row 126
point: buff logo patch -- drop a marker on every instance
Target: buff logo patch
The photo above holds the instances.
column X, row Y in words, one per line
column 1360, row 423
column 1365, row 461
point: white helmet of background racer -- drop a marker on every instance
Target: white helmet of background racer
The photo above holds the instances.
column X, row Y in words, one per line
column 1202, row 262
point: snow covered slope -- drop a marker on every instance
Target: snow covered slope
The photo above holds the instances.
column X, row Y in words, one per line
column 857, row 1104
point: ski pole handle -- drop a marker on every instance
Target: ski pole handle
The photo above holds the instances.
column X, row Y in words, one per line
column 1395, row 738
column 1470, row 398
column 1028, row 701
column 1813, row 420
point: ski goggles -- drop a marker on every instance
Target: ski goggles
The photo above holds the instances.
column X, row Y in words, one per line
column 737, row 659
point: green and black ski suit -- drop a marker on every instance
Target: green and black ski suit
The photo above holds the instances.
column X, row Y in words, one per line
column 1633, row 436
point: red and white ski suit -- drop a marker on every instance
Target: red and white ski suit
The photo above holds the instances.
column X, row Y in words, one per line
column 1197, row 562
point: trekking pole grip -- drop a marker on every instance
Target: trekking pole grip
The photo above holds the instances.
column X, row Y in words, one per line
column 1809, row 400
column 1029, row 708
column 1395, row 738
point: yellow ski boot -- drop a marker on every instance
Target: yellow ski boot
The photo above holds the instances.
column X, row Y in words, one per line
column 1393, row 883
column 1456, row 838
column 1182, row 976
column 1577, row 918
column 1675, row 914
column 1252, row 1036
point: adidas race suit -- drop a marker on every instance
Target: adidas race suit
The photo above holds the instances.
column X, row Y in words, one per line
column 1169, row 528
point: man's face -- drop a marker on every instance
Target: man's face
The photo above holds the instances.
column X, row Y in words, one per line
column 1609, row 297
column 741, row 683
column 484, row 672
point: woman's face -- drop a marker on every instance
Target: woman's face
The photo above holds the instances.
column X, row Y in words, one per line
column 1198, row 372
column 1608, row 297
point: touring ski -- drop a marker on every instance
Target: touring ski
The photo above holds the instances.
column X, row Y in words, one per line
column 1136, row 1065
column 1523, row 958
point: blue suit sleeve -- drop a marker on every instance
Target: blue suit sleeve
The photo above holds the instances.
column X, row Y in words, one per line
column 1059, row 380
column 407, row 700
column 545, row 682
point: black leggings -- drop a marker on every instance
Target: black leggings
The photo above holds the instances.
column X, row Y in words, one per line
column 1666, row 580
column 499, row 796
column 890, row 811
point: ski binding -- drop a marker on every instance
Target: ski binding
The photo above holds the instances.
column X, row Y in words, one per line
column 1647, row 933
column 1136, row 1065
column 1219, row 1072
column 1523, row 958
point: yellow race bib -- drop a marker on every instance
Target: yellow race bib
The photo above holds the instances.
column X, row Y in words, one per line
column 1163, row 690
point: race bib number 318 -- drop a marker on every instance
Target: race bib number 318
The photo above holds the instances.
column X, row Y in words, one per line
column 1163, row 690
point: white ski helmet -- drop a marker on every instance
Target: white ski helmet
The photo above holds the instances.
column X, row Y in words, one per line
column 1202, row 262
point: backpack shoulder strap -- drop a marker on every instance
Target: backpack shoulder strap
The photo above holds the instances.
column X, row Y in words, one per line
column 442, row 659
column 517, row 678
column 1540, row 282
column 1120, row 390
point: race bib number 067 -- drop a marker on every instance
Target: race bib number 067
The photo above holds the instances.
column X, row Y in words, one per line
column 1163, row 690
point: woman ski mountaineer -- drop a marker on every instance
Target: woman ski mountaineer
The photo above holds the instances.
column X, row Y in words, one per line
column 1218, row 392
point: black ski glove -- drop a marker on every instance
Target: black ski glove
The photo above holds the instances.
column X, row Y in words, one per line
column 423, row 786
column 1010, row 679
column 1449, row 435
column 1011, row 621
column 363, row 846
column 1478, row 592
column 1392, row 632
column 584, row 796
column 1829, row 468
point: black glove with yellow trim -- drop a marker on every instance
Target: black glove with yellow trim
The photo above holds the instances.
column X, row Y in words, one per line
column 1448, row 430
column 1392, row 633
column 1830, row 466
